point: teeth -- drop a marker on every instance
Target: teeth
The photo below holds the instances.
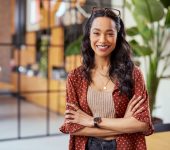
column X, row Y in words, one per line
column 102, row 46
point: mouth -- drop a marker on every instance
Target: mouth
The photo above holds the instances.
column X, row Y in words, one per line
column 102, row 47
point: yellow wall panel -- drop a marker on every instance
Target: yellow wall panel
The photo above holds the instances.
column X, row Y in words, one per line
column 72, row 62
column 30, row 38
column 57, row 36
column 27, row 56
column 56, row 57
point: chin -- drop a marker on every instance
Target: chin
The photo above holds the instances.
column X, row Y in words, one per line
column 104, row 54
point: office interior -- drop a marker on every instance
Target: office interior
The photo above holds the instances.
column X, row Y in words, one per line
column 35, row 59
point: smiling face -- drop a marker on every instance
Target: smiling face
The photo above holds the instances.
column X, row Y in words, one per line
column 103, row 36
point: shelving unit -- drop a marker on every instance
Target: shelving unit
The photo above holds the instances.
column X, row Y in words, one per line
column 43, row 91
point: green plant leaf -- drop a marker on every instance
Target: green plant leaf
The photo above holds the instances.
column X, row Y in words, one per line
column 128, row 5
column 151, row 10
column 148, row 15
column 140, row 50
column 167, row 20
column 74, row 47
column 166, row 3
column 152, row 80
column 145, row 32
column 142, row 26
column 132, row 31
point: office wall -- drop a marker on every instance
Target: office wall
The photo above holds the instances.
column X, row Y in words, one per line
column 5, row 37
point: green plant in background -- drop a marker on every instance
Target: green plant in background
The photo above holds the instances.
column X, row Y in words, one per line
column 74, row 47
column 43, row 54
column 152, row 19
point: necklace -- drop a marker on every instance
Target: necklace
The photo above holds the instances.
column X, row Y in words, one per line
column 104, row 75
column 105, row 86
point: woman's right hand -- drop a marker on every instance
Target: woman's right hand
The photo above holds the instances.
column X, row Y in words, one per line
column 134, row 106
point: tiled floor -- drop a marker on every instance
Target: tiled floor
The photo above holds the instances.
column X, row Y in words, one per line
column 33, row 122
column 48, row 143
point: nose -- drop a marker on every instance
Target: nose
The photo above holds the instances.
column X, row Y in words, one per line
column 102, row 39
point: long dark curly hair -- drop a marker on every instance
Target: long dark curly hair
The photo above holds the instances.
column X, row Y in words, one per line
column 121, row 65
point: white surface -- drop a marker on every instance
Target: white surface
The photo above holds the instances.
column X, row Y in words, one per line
column 33, row 122
column 49, row 143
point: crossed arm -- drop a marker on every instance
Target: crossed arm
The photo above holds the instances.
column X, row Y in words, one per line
column 109, row 126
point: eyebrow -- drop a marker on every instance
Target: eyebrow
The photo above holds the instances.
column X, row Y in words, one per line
column 108, row 30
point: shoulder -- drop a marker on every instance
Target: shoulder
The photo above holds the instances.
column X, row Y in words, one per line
column 138, row 74
column 77, row 73
column 137, row 71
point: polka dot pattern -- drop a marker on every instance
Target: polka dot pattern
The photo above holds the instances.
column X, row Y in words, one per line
column 76, row 92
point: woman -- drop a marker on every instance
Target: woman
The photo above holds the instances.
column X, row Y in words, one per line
column 107, row 102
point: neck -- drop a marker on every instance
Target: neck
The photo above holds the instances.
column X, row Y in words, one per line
column 102, row 63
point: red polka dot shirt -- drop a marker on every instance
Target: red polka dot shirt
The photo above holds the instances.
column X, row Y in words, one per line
column 76, row 92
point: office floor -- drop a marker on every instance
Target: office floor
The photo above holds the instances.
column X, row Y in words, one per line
column 47, row 143
column 33, row 122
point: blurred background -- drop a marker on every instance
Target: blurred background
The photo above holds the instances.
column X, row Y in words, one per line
column 40, row 44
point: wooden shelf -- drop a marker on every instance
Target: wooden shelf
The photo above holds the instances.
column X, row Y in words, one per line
column 6, row 86
column 27, row 56
column 38, row 87
column 57, row 36
column 30, row 38
column 72, row 62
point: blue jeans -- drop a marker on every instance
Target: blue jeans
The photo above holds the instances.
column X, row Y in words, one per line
column 100, row 144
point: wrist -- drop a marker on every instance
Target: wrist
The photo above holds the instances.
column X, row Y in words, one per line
column 97, row 121
column 91, row 122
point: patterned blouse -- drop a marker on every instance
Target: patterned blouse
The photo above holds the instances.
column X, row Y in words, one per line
column 76, row 92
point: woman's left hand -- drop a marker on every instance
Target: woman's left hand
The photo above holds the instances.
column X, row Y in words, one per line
column 134, row 106
column 78, row 116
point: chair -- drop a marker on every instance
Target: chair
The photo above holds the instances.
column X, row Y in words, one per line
column 162, row 127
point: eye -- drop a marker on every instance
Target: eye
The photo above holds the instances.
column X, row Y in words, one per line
column 95, row 33
column 111, row 34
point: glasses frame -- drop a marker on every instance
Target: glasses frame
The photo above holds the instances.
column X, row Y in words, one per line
column 94, row 9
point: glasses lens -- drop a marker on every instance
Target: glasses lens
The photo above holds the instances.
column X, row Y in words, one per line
column 115, row 11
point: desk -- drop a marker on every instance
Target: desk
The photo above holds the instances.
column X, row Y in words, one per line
column 158, row 141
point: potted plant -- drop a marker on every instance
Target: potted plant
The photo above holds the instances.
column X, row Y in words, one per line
column 152, row 19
